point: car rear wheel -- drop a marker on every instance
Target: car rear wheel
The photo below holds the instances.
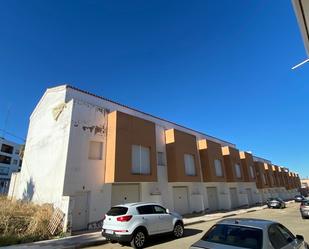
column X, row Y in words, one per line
column 178, row 230
column 139, row 239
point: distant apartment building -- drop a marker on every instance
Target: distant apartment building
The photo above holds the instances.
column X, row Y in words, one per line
column 9, row 162
column 85, row 153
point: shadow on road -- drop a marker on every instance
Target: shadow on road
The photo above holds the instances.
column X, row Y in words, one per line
column 160, row 239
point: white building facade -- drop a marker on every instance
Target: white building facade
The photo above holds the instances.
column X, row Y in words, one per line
column 85, row 153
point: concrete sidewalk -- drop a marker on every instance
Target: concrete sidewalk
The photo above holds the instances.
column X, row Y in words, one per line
column 95, row 238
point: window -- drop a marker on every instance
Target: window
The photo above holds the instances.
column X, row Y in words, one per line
column 7, row 148
column 271, row 180
column 20, row 163
column 148, row 209
column 159, row 210
column 5, row 159
column 218, row 167
column 238, row 171
column 140, row 160
column 17, row 152
column 95, row 150
column 279, row 236
column 115, row 211
column 251, row 172
column 15, row 162
column 161, row 159
column 263, row 178
column 244, row 237
column 4, row 171
column 189, row 165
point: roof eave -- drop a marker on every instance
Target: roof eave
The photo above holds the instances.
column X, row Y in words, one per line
column 302, row 22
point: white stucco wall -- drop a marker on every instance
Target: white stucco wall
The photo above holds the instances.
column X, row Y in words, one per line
column 42, row 174
column 84, row 174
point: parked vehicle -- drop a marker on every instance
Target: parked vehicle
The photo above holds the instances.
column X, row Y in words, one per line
column 135, row 222
column 276, row 203
column 299, row 198
column 304, row 209
column 249, row 233
column 268, row 201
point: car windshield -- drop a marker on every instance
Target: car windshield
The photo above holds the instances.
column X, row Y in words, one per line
column 238, row 236
column 115, row 211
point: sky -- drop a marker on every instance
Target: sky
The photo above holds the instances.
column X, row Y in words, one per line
column 220, row 67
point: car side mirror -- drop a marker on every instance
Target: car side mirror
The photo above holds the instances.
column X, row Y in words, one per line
column 300, row 237
column 167, row 211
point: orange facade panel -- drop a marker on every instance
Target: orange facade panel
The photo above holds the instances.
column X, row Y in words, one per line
column 281, row 177
column 276, row 175
column 269, row 174
column 211, row 158
column 178, row 146
column 247, row 166
column 261, row 179
column 232, row 163
column 125, row 131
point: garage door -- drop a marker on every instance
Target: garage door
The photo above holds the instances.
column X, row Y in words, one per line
column 181, row 202
column 212, row 195
column 125, row 193
column 250, row 198
column 80, row 212
column 234, row 198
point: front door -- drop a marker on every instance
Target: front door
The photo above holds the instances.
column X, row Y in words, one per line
column 181, row 203
column 165, row 219
column 80, row 211
column 234, row 197
column 212, row 195
column 249, row 194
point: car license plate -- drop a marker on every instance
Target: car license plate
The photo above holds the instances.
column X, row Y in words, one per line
column 108, row 231
column 273, row 204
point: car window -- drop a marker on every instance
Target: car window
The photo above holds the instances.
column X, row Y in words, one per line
column 239, row 236
column 159, row 210
column 286, row 233
column 115, row 211
column 147, row 209
column 279, row 236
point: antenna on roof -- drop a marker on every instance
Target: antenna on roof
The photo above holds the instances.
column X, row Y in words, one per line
column 298, row 65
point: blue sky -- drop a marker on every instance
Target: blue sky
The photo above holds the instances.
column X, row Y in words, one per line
column 221, row 67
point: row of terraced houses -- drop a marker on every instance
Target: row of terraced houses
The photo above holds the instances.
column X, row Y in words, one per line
column 85, row 153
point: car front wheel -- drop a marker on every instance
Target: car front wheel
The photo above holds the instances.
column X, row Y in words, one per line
column 178, row 230
column 139, row 239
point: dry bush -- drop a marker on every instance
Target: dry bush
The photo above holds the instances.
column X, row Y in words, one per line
column 23, row 221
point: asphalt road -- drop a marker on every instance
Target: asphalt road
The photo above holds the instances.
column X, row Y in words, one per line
column 290, row 217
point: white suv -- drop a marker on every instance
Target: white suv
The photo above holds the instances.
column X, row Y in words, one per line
column 134, row 222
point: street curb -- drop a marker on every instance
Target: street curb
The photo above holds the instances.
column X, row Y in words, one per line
column 229, row 215
column 197, row 222
column 90, row 243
